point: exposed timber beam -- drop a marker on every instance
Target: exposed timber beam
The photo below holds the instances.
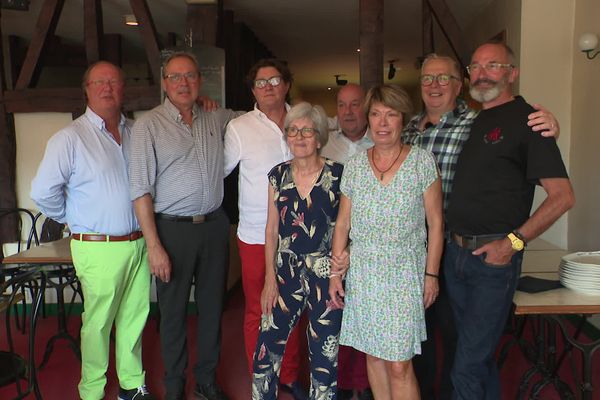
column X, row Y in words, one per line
column 450, row 29
column 45, row 100
column 93, row 30
column 44, row 28
column 149, row 36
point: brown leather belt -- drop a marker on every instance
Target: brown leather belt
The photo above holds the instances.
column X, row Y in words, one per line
column 97, row 237
column 194, row 219
column 472, row 242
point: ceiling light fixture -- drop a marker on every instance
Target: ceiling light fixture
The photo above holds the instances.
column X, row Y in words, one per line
column 130, row 20
column 588, row 43
column 358, row 50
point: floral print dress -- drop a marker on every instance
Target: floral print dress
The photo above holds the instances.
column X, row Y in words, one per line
column 384, row 314
column 303, row 264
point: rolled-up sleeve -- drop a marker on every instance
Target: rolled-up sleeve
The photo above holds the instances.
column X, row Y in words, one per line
column 48, row 188
column 142, row 163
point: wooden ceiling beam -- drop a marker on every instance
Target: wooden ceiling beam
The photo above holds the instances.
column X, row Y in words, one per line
column 44, row 28
column 450, row 29
column 149, row 36
column 93, row 30
column 45, row 100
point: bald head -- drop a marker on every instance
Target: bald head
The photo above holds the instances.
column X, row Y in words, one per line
column 350, row 113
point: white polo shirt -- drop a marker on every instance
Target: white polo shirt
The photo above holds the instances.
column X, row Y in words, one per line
column 257, row 144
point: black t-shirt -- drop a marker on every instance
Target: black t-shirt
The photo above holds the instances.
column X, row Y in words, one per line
column 497, row 171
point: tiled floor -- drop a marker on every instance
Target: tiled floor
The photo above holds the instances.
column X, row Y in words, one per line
column 58, row 380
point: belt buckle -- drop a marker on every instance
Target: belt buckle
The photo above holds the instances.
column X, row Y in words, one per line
column 198, row 219
column 459, row 240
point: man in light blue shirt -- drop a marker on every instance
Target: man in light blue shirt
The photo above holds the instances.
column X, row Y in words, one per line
column 82, row 181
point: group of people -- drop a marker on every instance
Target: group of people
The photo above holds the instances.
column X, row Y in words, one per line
column 347, row 220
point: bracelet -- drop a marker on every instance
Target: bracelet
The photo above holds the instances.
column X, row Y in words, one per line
column 432, row 275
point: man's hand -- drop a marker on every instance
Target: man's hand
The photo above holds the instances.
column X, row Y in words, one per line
column 543, row 121
column 269, row 296
column 498, row 252
column 207, row 104
column 160, row 264
column 430, row 291
column 336, row 291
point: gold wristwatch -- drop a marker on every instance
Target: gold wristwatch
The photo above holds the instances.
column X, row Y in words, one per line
column 517, row 243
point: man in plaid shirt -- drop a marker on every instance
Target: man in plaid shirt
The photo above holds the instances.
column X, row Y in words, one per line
column 442, row 128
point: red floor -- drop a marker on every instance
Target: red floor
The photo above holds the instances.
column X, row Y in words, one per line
column 59, row 378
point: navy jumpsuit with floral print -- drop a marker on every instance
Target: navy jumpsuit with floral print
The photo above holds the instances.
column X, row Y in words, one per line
column 302, row 262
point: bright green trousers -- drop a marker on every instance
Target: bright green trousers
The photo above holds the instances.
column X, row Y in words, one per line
column 115, row 281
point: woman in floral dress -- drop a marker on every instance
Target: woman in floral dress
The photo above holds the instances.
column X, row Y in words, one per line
column 304, row 195
column 389, row 192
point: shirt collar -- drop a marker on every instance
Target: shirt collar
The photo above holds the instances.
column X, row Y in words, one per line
column 175, row 113
column 263, row 115
column 98, row 122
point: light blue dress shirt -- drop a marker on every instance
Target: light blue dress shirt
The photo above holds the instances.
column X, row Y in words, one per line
column 82, row 179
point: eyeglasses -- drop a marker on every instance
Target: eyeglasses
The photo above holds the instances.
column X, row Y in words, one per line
column 273, row 81
column 101, row 82
column 292, row 131
column 489, row 67
column 178, row 77
column 442, row 79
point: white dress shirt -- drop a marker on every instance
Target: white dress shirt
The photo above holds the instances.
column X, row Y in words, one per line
column 257, row 144
column 339, row 148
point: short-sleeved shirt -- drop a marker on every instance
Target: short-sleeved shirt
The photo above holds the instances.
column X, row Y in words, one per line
column 498, row 169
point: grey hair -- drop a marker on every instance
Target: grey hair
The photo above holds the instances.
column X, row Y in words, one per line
column 314, row 113
column 181, row 54
column 453, row 63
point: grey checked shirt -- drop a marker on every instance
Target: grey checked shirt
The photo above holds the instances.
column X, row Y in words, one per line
column 445, row 140
column 180, row 166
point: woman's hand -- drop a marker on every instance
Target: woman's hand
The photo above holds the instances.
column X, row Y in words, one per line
column 341, row 263
column 336, row 291
column 269, row 296
column 430, row 291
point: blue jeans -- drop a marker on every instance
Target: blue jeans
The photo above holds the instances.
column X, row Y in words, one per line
column 481, row 297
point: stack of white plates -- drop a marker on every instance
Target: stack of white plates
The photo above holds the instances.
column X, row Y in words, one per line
column 581, row 271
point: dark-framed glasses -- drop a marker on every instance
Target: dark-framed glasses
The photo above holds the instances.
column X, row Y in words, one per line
column 178, row 77
column 442, row 79
column 489, row 67
column 102, row 82
column 292, row 131
column 273, row 81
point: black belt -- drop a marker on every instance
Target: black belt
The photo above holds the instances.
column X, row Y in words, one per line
column 194, row 219
column 472, row 242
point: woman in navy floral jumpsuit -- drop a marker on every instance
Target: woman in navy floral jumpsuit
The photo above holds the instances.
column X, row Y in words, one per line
column 304, row 199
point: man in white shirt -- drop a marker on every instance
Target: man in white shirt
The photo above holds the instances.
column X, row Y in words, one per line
column 257, row 143
column 352, row 136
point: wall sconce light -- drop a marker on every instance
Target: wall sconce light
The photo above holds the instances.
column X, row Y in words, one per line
column 392, row 70
column 340, row 82
column 588, row 43
column 130, row 20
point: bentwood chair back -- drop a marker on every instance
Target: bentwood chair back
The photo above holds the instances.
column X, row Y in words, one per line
column 17, row 362
column 24, row 236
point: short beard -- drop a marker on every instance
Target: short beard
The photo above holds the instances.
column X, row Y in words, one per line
column 491, row 94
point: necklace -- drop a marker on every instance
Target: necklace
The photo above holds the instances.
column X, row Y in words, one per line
column 382, row 172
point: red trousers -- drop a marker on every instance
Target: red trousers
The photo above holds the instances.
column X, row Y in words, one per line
column 253, row 280
column 352, row 369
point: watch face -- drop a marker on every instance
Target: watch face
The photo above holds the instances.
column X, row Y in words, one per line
column 517, row 244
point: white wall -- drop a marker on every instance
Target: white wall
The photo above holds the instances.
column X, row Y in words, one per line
column 546, row 65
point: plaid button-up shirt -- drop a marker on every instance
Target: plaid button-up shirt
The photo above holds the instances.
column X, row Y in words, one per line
column 445, row 140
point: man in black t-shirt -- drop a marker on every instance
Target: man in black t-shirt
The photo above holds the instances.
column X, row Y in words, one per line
column 488, row 217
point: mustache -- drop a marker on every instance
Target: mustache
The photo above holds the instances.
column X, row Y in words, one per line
column 485, row 80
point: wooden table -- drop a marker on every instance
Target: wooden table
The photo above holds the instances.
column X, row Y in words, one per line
column 550, row 311
column 51, row 253
column 55, row 261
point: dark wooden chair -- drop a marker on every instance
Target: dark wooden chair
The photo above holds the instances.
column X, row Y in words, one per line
column 16, row 367
column 25, row 236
